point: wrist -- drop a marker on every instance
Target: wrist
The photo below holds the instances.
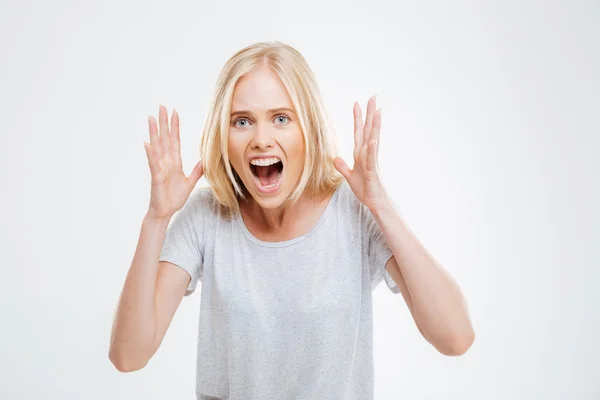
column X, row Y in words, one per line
column 382, row 208
column 153, row 219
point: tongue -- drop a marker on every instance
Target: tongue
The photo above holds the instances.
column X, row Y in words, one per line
column 267, row 175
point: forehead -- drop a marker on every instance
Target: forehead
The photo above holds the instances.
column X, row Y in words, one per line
column 260, row 90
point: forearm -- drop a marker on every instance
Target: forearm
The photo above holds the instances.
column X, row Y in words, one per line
column 135, row 324
column 438, row 303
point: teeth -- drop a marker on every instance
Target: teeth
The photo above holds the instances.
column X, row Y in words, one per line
column 263, row 162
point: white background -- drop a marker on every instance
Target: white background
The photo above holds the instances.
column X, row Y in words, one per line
column 489, row 147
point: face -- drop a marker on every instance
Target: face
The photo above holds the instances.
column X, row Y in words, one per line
column 266, row 147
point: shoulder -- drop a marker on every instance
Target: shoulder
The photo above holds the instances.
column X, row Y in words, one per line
column 346, row 200
column 201, row 203
column 201, row 196
column 354, row 212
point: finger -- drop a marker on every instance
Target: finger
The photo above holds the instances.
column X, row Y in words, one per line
column 175, row 141
column 166, row 141
column 369, row 120
column 372, row 156
column 154, row 139
column 342, row 167
column 376, row 127
column 163, row 124
column 154, row 168
column 357, row 124
column 362, row 161
column 196, row 173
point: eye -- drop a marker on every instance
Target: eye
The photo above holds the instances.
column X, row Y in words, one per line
column 278, row 118
column 240, row 119
column 282, row 119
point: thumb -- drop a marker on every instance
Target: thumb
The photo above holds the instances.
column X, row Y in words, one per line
column 196, row 173
column 342, row 167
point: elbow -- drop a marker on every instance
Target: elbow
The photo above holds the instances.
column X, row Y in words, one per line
column 457, row 345
column 123, row 364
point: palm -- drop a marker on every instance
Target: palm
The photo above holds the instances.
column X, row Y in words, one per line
column 363, row 178
column 170, row 191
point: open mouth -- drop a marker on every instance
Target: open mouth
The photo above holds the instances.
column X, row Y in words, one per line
column 266, row 172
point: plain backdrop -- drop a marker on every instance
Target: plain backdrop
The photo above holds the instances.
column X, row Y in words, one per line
column 491, row 117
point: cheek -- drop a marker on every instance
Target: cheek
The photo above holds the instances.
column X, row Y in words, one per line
column 293, row 145
column 292, row 141
column 298, row 146
column 236, row 153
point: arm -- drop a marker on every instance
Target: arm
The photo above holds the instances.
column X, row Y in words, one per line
column 433, row 297
column 151, row 295
column 153, row 291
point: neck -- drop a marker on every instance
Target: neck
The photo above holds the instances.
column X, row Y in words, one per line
column 275, row 219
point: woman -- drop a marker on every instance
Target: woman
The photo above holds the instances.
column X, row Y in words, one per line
column 288, row 241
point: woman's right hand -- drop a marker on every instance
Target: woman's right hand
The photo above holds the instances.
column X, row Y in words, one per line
column 170, row 187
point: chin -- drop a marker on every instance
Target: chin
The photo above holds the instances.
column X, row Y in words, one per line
column 270, row 203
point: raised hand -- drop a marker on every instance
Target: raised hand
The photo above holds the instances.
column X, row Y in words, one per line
column 170, row 187
column 364, row 177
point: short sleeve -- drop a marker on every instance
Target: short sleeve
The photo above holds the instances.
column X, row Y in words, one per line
column 182, row 244
column 377, row 250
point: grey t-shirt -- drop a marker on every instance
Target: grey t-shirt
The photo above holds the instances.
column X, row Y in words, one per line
column 282, row 320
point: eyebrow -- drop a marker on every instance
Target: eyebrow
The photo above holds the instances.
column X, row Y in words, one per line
column 271, row 111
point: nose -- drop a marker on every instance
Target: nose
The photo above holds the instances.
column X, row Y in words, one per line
column 262, row 138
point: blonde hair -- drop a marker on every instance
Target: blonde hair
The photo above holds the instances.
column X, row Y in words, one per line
column 319, row 175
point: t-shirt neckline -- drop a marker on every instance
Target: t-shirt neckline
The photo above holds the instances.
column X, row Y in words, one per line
column 240, row 222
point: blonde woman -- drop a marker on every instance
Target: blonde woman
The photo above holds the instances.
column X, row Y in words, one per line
column 288, row 242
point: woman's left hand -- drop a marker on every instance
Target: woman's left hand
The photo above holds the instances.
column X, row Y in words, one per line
column 363, row 178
